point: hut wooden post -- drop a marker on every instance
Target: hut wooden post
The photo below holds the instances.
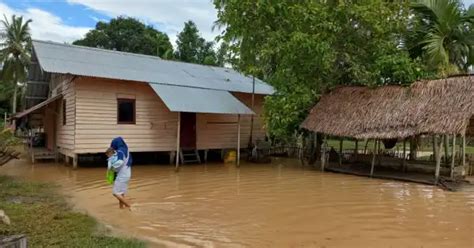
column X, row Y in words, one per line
column 446, row 148
column 438, row 148
column 404, row 161
column 373, row 158
column 323, row 153
column 434, row 149
column 463, row 152
column 356, row 149
column 341, row 141
column 178, row 138
column 453, row 156
column 238, row 140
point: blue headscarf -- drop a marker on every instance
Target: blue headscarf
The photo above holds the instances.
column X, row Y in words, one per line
column 119, row 145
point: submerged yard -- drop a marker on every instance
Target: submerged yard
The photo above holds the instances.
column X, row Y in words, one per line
column 281, row 204
column 40, row 212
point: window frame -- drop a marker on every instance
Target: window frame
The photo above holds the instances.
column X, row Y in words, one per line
column 127, row 100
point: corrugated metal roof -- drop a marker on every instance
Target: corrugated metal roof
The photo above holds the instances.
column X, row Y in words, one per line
column 86, row 61
column 197, row 100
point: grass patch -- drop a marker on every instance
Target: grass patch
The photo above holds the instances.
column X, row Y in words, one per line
column 37, row 210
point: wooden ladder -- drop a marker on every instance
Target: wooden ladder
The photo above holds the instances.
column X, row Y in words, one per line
column 189, row 156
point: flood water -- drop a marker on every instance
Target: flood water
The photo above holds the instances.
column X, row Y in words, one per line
column 277, row 205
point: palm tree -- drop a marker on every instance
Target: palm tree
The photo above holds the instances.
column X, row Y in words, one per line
column 15, row 52
column 446, row 30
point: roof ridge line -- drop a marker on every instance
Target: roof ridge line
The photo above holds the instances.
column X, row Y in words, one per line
column 99, row 49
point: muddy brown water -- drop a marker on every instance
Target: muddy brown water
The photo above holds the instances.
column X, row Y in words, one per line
column 277, row 205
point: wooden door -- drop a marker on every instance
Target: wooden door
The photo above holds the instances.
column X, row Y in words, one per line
column 188, row 131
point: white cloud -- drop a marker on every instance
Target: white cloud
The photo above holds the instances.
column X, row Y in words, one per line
column 46, row 26
column 167, row 15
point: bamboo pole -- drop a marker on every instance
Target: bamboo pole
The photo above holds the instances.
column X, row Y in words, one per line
column 439, row 147
column 178, row 139
column 373, row 158
column 238, row 140
column 453, row 156
column 341, row 141
column 323, row 153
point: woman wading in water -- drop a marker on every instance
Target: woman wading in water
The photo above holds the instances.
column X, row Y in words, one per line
column 120, row 161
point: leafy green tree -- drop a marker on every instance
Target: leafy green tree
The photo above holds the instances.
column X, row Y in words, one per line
column 223, row 54
column 443, row 34
column 6, row 93
column 304, row 48
column 192, row 48
column 128, row 35
column 15, row 54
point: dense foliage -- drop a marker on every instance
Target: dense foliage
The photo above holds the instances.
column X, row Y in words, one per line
column 15, row 55
column 128, row 35
column 193, row 48
column 443, row 33
column 304, row 48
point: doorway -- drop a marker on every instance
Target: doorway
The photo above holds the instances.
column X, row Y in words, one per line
column 188, row 131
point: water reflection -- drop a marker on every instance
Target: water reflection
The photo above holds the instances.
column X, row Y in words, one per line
column 278, row 205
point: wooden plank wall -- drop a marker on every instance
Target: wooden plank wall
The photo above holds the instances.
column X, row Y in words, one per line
column 220, row 131
column 96, row 112
column 49, row 121
column 65, row 133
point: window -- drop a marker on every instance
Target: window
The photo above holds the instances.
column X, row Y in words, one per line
column 126, row 111
column 64, row 112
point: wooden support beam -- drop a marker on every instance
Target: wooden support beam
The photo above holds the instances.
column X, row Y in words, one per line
column 404, row 161
column 75, row 161
column 373, row 158
column 251, row 117
column 178, row 138
column 67, row 159
column 172, row 157
column 446, row 148
column 205, row 155
column 341, row 142
column 453, row 156
column 463, row 153
column 38, row 82
column 439, row 147
column 238, row 140
column 323, row 153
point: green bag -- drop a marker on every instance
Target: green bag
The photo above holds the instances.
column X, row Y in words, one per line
column 110, row 176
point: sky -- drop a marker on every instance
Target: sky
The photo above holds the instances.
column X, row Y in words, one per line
column 69, row 20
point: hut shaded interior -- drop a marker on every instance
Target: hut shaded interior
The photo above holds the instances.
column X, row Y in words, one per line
column 437, row 108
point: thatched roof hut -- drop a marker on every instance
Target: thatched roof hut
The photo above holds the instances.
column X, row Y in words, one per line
column 444, row 106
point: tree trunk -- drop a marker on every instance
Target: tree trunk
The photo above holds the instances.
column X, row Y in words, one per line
column 15, row 92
